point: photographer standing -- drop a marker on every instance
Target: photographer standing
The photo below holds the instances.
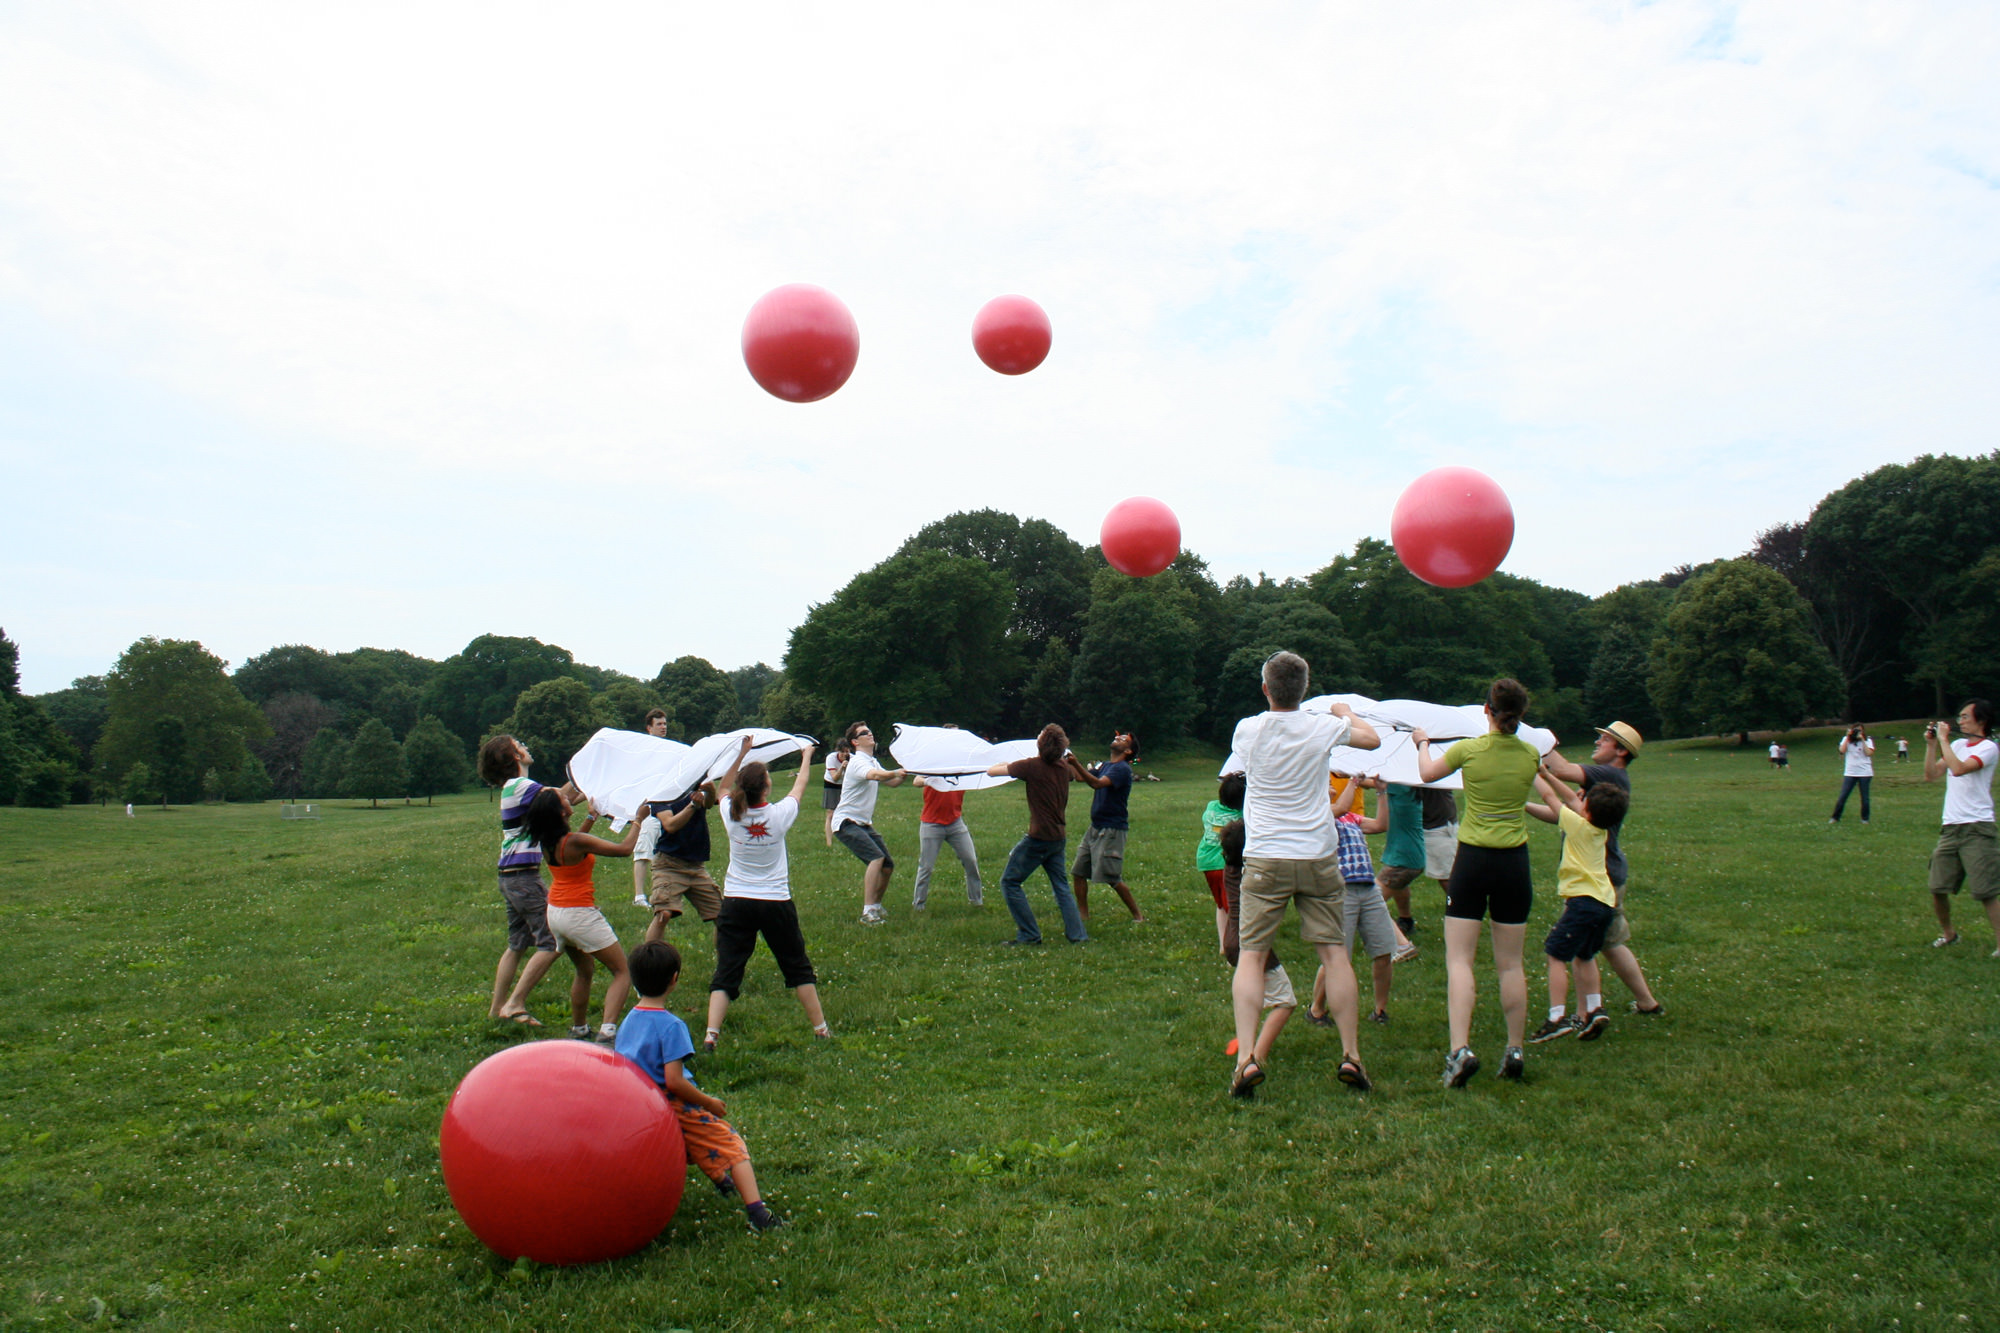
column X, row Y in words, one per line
column 1965, row 850
column 1860, row 753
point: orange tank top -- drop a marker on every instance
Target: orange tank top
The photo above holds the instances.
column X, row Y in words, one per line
column 570, row 886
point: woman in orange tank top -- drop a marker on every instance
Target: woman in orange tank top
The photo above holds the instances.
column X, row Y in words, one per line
column 574, row 920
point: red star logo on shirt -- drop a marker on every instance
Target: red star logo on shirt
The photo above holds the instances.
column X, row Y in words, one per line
column 759, row 829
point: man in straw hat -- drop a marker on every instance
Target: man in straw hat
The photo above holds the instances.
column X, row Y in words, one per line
column 1617, row 746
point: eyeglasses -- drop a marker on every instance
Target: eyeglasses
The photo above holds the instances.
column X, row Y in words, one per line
column 864, row 732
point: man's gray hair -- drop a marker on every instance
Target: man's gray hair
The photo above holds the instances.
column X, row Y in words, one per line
column 1285, row 677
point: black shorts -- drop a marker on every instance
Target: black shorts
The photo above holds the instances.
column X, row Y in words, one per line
column 1490, row 882
column 736, row 931
column 1579, row 932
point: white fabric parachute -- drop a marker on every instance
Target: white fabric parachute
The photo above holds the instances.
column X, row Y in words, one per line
column 954, row 760
column 620, row 770
column 1394, row 720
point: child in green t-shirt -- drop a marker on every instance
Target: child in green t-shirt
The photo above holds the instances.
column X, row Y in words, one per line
column 1226, row 808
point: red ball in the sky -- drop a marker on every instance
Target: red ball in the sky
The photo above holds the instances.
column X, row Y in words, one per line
column 1140, row 536
column 1452, row 527
column 561, row 1151
column 800, row 342
column 1011, row 334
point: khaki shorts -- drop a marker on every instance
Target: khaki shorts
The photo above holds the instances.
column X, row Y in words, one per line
column 1440, row 851
column 1100, row 856
column 1269, row 884
column 1965, row 856
column 581, row 928
column 1394, row 879
column 674, row 880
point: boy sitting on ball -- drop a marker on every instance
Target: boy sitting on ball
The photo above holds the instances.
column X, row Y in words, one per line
column 658, row 1042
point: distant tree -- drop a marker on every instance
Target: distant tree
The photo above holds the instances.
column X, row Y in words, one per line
column 624, row 703
column 789, row 708
column 1136, row 667
column 294, row 719
column 249, row 783
column 699, row 695
column 155, row 678
column 471, row 691
column 1737, row 654
column 1293, row 623
column 750, row 683
column 436, row 761
column 374, row 765
column 295, row 668
column 553, row 719
column 322, row 766
column 1638, row 607
column 396, row 706
column 45, row 783
column 1046, row 696
column 138, row 787
column 176, row 769
column 214, row 790
column 13, row 754
column 80, row 711
column 1616, row 690
column 919, row 638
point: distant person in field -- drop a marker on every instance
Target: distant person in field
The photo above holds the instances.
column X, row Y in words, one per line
column 1618, row 745
column 1280, row 1000
column 1965, row 852
column 1902, row 749
column 503, row 763
column 1777, row 754
column 1288, row 856
column 649, row 832
column 1857, row 752
column 830, row 784
column 1490, row 876
column 941, row 824
column 1227, row 807
column 1590, row 903
column 854, row 819
column 579, row 928
column 1045, row 778
column 1100, row 856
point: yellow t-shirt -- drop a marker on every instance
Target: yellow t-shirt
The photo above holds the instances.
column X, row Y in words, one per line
column 1582, row 873
column 1499, row 782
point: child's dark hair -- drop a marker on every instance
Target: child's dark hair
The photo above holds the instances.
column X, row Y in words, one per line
column 1605, row 804
column 497, row 762
column 1508, row 702
column 654, row 966
column 753, row 783
column 546, row 823
column 1052, row 743
column 1230, row 835
column 1230, row 790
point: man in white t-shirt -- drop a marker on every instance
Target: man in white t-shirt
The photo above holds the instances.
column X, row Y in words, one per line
column 854, row 820
column 1288, row 855
column 1857, row 750
column 1965, row 851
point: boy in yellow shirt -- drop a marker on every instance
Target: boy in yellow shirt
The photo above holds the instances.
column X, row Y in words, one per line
column 1589, row 902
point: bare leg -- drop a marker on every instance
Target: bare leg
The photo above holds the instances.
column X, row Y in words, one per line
column 579, row 989
column 503, row 981
column 1274, row 1023
column 1221, row 928
column 1131, row 903
column 1941, row 905
column 1507, row 941
column 808, row 1001
column 613, row 957
column 537, row 968
column 1589, row 981
column 746, row 1182
column 1246, row 995
column 1399, row 899
column 718, row 1009
column 656, row 929
column 642, row 876
column 1317, row 1006
column 1627, row 967
column 1343, row 998
column 1993, row 919
column 1385, row 976
column 1081, row 887
column 1558, row 984
column 874, row 882
column 829, row 828
column 1461, row 945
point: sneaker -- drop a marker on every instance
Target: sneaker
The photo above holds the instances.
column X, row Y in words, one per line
column 1318, row 1020
column 1590, row 1026
column 1654, row 1012
column 580, row 1031
column 873, row 918
column 1551, row 1029
column 1513, row 1066
column 765, row 1220
column 641, row 900
column 1459, row 1067
column 1945, row 940
column 607, row 1035
column 1379, row 1016
column 1404, row 954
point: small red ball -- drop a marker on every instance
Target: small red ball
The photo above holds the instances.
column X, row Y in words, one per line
column 562, row 1151
column 1011, row 334
column 800, row 342
column 1140, row 536
column 1452, row 527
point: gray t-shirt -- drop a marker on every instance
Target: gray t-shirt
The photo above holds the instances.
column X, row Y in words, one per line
column 1614, row 860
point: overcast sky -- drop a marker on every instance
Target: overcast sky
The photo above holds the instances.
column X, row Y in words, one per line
column 392, row 326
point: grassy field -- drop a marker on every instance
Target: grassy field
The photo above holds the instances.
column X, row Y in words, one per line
column 228, row 1041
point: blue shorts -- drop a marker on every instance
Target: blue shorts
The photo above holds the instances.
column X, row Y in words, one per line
column 865, row 843
column 1579, row 932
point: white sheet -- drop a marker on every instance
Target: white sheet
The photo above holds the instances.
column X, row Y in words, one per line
column 1394, row 720
column 619, row 770
column 954, row 760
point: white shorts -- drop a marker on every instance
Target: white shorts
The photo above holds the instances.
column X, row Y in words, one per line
column 581, row 928
column 1440, row 851
column 1278, row 993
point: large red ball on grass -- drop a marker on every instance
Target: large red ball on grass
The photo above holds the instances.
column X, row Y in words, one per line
column 1452, row 527
column 800, row 342
column 563, row 1152
column 1140, row 536
column 1011, row 334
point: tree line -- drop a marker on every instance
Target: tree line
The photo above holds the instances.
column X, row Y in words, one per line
column 1883, row 602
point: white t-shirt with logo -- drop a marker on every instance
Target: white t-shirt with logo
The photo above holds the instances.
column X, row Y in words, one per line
column 857, row 791
column 1286, row 814
column 757, row 864
column 1968, row 799
column 1860, row 758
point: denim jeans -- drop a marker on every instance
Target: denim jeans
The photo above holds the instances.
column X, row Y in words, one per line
column 1048, row 854
column 1847, row 785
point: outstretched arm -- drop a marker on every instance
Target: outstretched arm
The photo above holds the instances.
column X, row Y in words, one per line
column 805, row 772
column 1430, row 767
column 1380, row 822
column 590, row 842
column 728, row 780
column 1361, row 733
column 1083, row 774
column 1556, row 765
column 1345, row 801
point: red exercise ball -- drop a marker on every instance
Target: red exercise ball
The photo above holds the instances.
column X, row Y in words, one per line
column 562, row 1151
column 800, row 342
column 1140, row 536
column 1452, row 527
column 1011, row 334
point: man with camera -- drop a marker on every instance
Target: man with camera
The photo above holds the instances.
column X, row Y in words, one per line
column 1859, row 752
column 1965, row 851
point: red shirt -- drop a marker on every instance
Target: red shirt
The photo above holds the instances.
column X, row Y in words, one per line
column 942, row 807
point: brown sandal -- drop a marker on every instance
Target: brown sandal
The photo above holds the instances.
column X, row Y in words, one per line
column 1248, row 1075
column 1353, row 1075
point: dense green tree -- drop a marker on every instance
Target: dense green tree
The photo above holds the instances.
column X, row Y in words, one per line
column 699, row 695
column 1616, row 690
column 789, row 708
column 295, row 668
column 553, row 719
column 471, row 691
column 44, row 783
column 138, row 787
column 322, row 765
column 1049, row 572
column 214, row 791
column 1637, row 607
column 436, row 761
column 295, row 719
column 1046, row 696
column 1294, row 623
column 374, row 766
column 1136, row 667
column 396, row 707
column 176, row 768
column 1737, row 654
column 80, row 711
column 624, row 703
column 249, row 783
column 919, row 638
column 160, row 677
column 750, row 683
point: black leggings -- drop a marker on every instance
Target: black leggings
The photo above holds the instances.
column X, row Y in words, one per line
column 741, row 921
column 1493, row 881
column 1847, row 785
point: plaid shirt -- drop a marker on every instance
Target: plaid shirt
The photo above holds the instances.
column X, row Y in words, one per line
column 1352, row 851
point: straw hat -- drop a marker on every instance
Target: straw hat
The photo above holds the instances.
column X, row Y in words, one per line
column 1626, row 735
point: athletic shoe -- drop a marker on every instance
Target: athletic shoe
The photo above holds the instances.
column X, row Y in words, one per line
column 1513, row 1065
column 1318, row 1020
column 1590, row 1026
column 1459, row 1067
column 1379, row 1016
column 874, row 918
column 1404, row 954
column 580, row 1031
column 641, row 900
column 607, row 1035
column 1551, row 1029
column 769, row 1221
column 1654, row 1012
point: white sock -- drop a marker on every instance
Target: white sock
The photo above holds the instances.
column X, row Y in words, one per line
column 1556, row 1012
column 713, row 1033
column 1592, row 1003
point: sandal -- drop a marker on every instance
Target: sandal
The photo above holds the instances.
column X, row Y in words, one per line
column 1248, row 1075
column 524, row 1019
column 1950, row 937
column 1404, row 954
column 1353, row 1075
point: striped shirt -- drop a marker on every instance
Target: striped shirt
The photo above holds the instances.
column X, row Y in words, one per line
column 517, row 850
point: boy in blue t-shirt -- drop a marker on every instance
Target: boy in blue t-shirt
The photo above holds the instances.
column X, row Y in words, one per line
column 1100, row 857
column 657, row 1041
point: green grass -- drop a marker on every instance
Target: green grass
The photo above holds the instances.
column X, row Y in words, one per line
column 228, row 1041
